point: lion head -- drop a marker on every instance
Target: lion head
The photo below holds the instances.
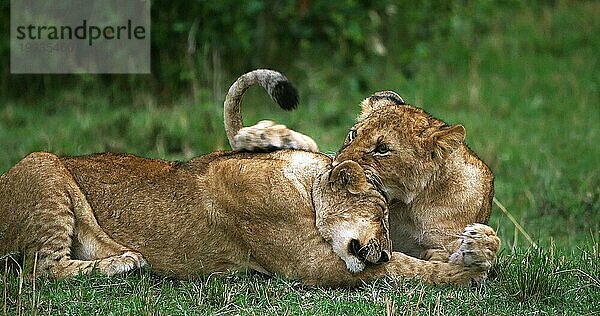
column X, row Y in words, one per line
column 352, row 215
column 398, row 145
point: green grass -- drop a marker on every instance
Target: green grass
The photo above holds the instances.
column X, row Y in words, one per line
column 527, row 91
column 526, row 282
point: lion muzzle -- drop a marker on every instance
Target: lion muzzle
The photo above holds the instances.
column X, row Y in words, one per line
column 371, row 252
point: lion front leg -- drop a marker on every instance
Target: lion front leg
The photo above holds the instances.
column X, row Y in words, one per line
column 434, row 272
column 471, row 262
column 479, row 239
column 269, row 136
column 441, row 254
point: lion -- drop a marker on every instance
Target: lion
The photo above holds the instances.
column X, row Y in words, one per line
column 269, row 136
column 287, row 212
column 435, row 185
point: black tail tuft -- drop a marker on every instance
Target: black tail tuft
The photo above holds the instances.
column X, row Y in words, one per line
column 285, row 95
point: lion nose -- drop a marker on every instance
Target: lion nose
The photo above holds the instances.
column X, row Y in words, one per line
column 385, row 257
column 359, row 251
column 365, row 253
column 355, row 248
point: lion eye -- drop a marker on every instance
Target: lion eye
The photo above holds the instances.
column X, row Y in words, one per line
column 351, row 136
column 381, row 149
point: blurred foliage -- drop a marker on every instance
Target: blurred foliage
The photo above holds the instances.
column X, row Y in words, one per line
column 523, row 77
column 202, row 45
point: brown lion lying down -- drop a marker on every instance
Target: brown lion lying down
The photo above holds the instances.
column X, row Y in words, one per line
column 286, row 212
column 434, row 184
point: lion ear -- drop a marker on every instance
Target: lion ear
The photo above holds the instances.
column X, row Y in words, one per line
column 369, row 104
column 447, row 139
column 351, row 176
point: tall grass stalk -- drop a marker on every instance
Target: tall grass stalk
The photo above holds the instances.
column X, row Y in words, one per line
column 516, row 223
column 5, row 286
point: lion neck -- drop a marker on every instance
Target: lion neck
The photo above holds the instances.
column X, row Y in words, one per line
column 437, row 183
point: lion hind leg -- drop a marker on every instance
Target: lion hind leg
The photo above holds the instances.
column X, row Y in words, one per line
column 48, row 217
column 92, row 249
column 66, row 267
column 269, row 136
column 54, row 248
column 77, row 245
column 73, row 243
column 91, row 241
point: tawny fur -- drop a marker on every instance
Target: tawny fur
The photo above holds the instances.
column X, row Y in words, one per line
column 223, row 211
column 435, row 184
column 286, row 96
column 286, row 213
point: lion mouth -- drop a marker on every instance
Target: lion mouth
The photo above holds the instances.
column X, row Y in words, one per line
column 369, row 253
column 377, row 182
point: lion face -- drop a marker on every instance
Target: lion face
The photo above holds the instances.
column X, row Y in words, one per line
column 352, row 215
column 399, row 146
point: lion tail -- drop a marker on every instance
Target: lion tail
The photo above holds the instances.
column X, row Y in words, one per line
column 277, row 86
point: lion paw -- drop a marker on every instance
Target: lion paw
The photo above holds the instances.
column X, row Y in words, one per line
column 269, row 136
column 478, row 247
column 125, row 262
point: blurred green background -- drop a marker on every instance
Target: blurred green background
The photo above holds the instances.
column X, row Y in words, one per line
column 521, row 76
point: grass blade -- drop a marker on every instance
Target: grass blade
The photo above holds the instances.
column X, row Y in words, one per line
column 516, row 223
